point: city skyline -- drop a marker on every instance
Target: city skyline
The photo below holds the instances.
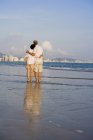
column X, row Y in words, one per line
column 63, row 27
column 11, row 58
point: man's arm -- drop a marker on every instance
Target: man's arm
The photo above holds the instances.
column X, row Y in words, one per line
column 41, row 56
column 33, row 54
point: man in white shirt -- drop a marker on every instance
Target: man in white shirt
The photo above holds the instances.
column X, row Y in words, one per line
column 30, row 61
column 38, row 53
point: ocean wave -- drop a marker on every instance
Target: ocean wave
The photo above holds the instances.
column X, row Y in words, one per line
column 80, row 78
column 49, row 77
column 81, row 67
column 51, row 83
column 70, row 69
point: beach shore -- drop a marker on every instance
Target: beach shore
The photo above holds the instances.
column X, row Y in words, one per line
column 60, row 108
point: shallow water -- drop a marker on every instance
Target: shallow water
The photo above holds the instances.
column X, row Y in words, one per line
column 61, row 107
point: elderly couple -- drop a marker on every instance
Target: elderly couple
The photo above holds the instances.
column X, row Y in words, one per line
column 34, row 62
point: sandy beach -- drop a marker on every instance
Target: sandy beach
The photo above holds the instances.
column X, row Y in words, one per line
column 60, row 108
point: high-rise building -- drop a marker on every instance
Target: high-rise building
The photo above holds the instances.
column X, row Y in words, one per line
column 6, row 58
column 11, row 58
column 0, row 59
column 15, row 59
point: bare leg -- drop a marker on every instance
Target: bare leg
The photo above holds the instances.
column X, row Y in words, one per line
column 39, row 76
column 31, row 72
column 28, row 72
column 36, row 76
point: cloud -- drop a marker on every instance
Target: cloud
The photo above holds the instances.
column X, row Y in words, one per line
column 47, row 46
column 13, row 44
column 62, row 52
column 51, row 51
column 17, row 51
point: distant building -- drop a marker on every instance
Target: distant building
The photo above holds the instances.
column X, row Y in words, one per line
column 78, row 61
column 6, row 58
column 0, row 59
column 21, row 59
column 11, row 58
column 15, row 59
column 46, row 60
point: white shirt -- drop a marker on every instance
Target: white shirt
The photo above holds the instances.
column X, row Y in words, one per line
column 38, row 52
column 30, row 58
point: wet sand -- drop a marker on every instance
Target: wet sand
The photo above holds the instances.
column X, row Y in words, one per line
column 60, row 108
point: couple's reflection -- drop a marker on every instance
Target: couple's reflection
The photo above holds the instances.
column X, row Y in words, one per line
column 32, row 99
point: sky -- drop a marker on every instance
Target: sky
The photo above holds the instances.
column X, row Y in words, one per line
column 64, row 28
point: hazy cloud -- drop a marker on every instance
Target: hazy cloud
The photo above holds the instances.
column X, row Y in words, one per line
column 47, row 46
column 51, row 51
column 13, row 44
column 16, row 51
column 62, row 52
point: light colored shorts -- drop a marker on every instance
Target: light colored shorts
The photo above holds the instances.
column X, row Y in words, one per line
column 30, row 68
column 38, row 68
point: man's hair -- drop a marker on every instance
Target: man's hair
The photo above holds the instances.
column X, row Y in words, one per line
column 35, row 42
column 32, row 46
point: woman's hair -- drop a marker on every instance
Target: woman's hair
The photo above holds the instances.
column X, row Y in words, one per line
column 32, row 46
